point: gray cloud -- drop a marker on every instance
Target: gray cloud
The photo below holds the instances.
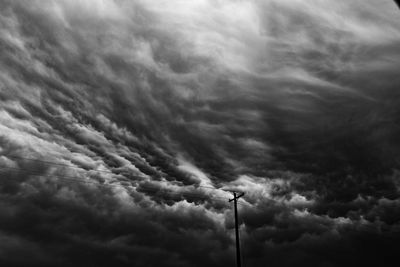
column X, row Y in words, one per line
column 293, row 102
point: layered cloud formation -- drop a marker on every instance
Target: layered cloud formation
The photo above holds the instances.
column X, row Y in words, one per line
column 118, row 118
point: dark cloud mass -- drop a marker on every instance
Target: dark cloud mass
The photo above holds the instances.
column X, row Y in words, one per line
column 118, row 118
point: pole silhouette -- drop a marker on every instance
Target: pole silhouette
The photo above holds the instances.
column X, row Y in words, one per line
column 236, row 196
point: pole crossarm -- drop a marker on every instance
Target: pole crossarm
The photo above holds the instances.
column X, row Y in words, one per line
column 235, row 197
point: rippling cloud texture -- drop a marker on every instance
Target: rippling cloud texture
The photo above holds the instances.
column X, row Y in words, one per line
column 117, row 118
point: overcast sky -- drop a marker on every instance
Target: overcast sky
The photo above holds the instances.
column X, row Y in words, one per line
column 295, row 102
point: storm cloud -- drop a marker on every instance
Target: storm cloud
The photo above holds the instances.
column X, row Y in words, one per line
column 122, row 122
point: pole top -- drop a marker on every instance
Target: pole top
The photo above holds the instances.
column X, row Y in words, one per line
column 236, row 196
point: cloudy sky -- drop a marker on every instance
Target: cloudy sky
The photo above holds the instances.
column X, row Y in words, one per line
column 121, row 121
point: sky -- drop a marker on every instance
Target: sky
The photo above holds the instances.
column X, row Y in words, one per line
column 122, row 122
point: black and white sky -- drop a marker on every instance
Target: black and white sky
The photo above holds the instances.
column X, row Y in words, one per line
column 121, row 120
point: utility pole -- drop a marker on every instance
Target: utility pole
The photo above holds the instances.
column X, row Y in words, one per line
column 236, row 196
